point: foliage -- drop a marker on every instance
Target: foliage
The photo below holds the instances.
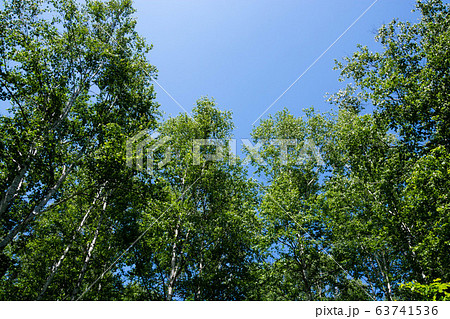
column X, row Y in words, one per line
column 436, row 291
column 407, row 83
column 78, row 83
column 200, row 232
column 348, row 205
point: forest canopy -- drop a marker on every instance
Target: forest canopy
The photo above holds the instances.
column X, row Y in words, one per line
column 346, row 205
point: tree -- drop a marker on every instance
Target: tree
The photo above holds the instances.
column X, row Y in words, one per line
column 79, row 84
column 301, row 256
column 360, row 197
column 408, row 85
column 348, row 206
column 200, row 232
column 436, row 291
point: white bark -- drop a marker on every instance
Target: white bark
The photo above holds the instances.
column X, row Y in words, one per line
column 409, row 233
column 200, row 270
column 384, row 273
column 15, row 186
column 58, row 263
column 12, row 190
column 88, row 255
column 17, row 182
column 40, row 206
column 174, row 267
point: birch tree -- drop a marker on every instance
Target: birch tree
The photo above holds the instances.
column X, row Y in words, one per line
column 72, row 74
column 200, row 235
column 407, row 83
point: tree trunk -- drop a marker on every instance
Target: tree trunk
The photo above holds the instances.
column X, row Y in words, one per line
column 88, row 256
column 12, row 190
column 40, row 206
column 200, row 269
column 58, row 263
column 174, row 267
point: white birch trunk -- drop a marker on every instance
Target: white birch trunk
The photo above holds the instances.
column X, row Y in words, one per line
column 88, row 256
column 58, row 263
column 40, row 206
column 173, row 265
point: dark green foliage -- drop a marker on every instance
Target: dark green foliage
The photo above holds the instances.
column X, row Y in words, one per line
column 357, row 209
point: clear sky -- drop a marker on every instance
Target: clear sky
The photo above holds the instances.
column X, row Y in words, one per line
column 245, row 53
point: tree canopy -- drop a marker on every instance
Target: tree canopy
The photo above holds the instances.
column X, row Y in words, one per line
column 346, row 205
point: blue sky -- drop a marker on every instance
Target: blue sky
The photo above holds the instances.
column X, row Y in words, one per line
column 245, row 53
